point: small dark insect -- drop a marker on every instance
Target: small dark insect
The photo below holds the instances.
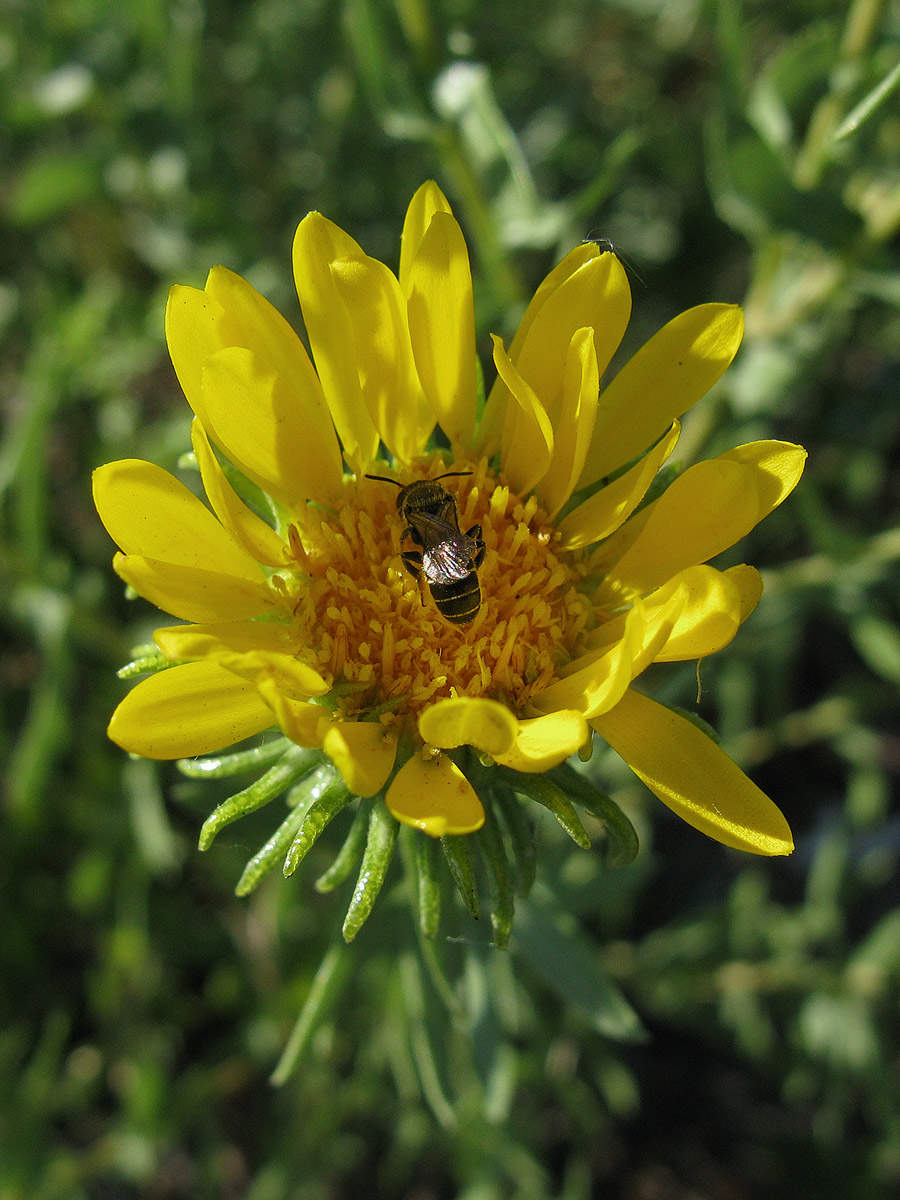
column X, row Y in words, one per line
column 446, row 558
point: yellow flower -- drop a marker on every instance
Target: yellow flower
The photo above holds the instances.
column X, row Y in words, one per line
column 312, row 621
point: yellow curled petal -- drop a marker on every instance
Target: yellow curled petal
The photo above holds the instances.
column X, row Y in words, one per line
column 363, row 752
column 606, row 510
column 492, row 420
column 595, row 296
column 441, row 317
column 265, row 431
column 226, row 637
column 598, row 681
column 147, row 511
column 669, row 373
column 428, row 200
column 693, row 776
column 289, row 674
column 432, row 794
column 384, row 354
column 303, row 722
column 192, row 594
column 191, row 709
column 469, row 721
column 776, row 467
column 544, row 742
column 527, row 444
column 709, row 619
column 317, row 244
column 574, row 422
column 749, row 584
column 248, row 530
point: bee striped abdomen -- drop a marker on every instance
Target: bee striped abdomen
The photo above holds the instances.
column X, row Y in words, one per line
column 458, row 602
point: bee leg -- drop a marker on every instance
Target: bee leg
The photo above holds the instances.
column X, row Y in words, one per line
column 412, row 560
column 475, row 534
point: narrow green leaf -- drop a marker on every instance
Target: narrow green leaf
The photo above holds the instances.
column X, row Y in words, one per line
column 869, row 104
column 622, row 842
column 553, row 944
column 265, row 858
column 521, row 836
column 221, row 766
column 382, row 837
column 420, row 862
column 326, row 988
column 295, row 763
column 326, row 806
column 348, row 855
column 491, row 843
column 145, row 664
column 552, row 797
column 430, row 1060
column 459, row 860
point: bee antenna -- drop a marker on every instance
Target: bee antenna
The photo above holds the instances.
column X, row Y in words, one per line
column 450, row 474
column 384, row 479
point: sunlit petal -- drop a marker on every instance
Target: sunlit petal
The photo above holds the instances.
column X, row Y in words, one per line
column 191, row 709
column 432, row 794
column 469, row 721
column 428, row 200
column 363, row 752
column 544, row 742
column 574, row 422
column 527, row 444
column 191, row 593
column 693, row 776
column 670, row 372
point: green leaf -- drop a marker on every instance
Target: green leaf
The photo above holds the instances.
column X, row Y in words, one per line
column 348, row 855
column 222, row 766
column 622, row 842
column 521, row 836
column 377, row 856
column 504, row 904
column 326, row 988
column 459, row 859
column 331, row 799
column 553, row 944
column 264, row 859
column 552, row 797
column 294, row 764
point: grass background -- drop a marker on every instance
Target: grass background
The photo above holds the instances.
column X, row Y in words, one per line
column 142, row 1006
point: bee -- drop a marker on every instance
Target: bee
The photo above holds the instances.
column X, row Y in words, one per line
column 446, row 558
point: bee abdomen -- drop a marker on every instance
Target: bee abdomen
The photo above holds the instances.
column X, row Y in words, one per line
column 458, row 602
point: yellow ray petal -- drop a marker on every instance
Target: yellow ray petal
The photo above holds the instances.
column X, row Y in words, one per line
column 574, row 422
column 262, row 427
column 527, row 444
column 192, row 594
column 432, row 794
column 693, row 776
column 192, row 333
column 544, row 742
column 384, row 354
column 713, row 611
column 147, row 511
column 606, row 510
column 442, row 327
column 188, row 710
column 704, row 511
column 596, row 296
column 749, row 584
column 670, row 372
column 248, row 530
column 292, row 676
column 428, row 200
column 303, row 722
column 469, row 721
column 493, row 417
column 363, row 752
column 601, row 682
column 317, row 244
column 227, row 637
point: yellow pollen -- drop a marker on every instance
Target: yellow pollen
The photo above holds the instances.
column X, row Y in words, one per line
column 368, row 623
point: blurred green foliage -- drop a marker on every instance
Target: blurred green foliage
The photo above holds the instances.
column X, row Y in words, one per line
column 731, row 151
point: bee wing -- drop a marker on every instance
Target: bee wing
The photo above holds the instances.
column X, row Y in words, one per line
column 448, row 560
